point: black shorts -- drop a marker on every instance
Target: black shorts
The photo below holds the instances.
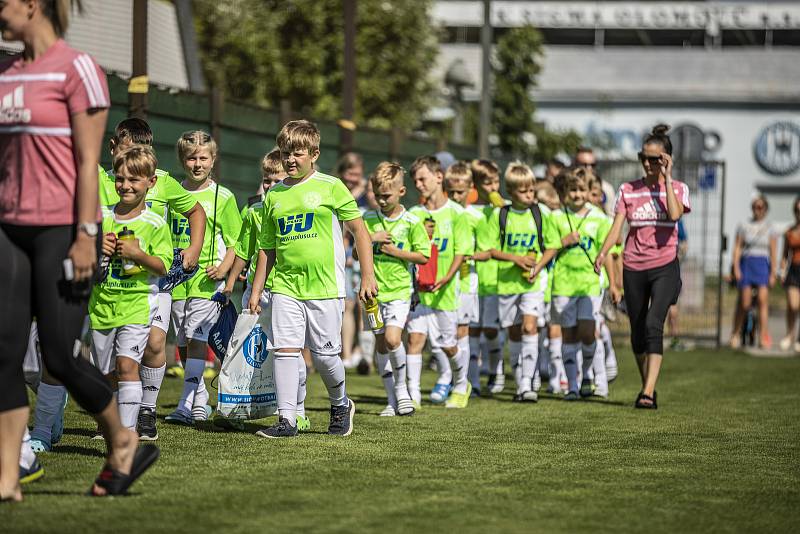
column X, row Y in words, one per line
column 793, row 276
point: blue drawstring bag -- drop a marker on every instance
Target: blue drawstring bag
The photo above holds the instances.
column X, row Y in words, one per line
column 176, row 274
column 220, row 334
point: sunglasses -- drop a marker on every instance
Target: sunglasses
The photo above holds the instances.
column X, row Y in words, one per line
column 592, row 165
column 759, row 207
column 652, row 160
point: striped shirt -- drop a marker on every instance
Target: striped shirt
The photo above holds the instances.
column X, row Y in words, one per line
column 38, row 171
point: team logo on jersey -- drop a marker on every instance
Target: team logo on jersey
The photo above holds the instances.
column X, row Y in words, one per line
column 299, row 224
column 116, row 272
column 520, row 240
column 255, row 348
column 312, row 200
column 441, row 243
column 180, row 226
column 12, row 107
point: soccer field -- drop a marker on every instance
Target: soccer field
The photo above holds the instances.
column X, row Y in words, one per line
column 720, row 454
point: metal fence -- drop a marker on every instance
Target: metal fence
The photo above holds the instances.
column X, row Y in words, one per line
column 700, row 304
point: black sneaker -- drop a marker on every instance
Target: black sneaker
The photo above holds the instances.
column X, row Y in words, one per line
column 342, row 419
column 282, row 429
column 146, row 424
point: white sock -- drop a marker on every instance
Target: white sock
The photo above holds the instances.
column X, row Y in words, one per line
column 474, row 372
column 366, row 340
column 529, row 355
column 331, row 370
column 414, row 366
column 599, row 371
column 588, row 357
column 484, row 352
column 397, row 358
column 26, row 454
column 610, row 353
column 514, row 350
column 556, row 364
column 287, row 384
column 384, row 368
column 49, row 406
column 443, row 364
column 192, row 377
column 201, row 395
column 579, row 362
column 152, row 377
column 460, row 364
column 570, row 356
column 301, row 386
column 129, row 398
column 495, row 348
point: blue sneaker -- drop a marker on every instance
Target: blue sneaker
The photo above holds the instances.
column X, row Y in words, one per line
column 440, row 392
column 179, row 417
column 34, row 472
column 58, row 427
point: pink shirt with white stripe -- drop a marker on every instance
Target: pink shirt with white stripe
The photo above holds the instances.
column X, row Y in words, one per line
column 38, row 170
column 652, row 238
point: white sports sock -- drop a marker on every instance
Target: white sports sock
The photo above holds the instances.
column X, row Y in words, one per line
column 474, row 372
column 495, row 349
column 414, row 366
column 26, row 454
column 192, row 377
column 301, row 386
column 366, row 340
column 49, row 406
column 152, row 377
column 556, row 364
column 397, row 358
column 570, row 356
column 443, row 364
column 384, row 368
column 599, row 371
column 331, row 370
column 610, row 353
column 588, row 357
column 514, row 355
column 129, row 398
column 287, row 384
column 460, row 365
column 529, row 355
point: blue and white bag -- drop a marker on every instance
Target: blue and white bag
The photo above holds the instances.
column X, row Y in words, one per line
column 246, row 383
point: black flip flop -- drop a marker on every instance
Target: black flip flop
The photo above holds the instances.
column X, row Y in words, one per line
column 116, row 483
column 646, row 402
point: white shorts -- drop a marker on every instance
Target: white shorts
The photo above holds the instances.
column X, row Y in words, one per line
column 316, row 324
column 488, row 308
column 163, row 307
column 469, row 310
column 129, row 340
column 597, row 305
column 439, row 325
column 198, row 317
column 178, row 312
column 544, row 319
column 567, row 311
column 511, row 308
column 394, row 313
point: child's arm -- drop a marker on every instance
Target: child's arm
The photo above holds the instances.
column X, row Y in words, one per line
column 197, row 229
column 547, row 256
column 233, row 275
column 363, row 247
column 218, row 272
column 266, row 259
column 130, row 249
column 413, row 257
column 458, row 259
column 525, row 263
column 483, row 255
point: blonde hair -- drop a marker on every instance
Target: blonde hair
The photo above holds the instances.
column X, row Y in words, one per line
column 458, row 172
column 58, row 11
column 387, row 173
column 518, row 174
column 136, row 160
column 299, row 134
column 570, row 179
column 546, row 193
column 483, row 169
column 190, row 142
column 271, row 163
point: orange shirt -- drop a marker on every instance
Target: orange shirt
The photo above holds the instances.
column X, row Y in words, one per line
column 793, row 242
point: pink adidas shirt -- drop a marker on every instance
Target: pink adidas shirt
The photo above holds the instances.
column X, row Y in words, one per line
column 652, row 238
column 38, row 171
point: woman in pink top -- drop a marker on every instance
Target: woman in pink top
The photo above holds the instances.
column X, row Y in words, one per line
column 651, row 206
column 53, row 110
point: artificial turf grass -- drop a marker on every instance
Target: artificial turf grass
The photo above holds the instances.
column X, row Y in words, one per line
column 720, row 454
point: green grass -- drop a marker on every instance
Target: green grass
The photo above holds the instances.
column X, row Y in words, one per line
column 721, row 454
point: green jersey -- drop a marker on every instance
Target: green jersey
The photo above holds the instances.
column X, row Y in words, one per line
column 451, row 237
column 487, row 270
column 166, row 195
column 573, row 274
column 302, row 224
column 223, row 225
column 123, row 299
column 473, row 217
column 392, row 274
column 247, row 244
column 521, row 238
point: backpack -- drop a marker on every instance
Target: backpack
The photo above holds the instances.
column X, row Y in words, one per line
column 537, row 219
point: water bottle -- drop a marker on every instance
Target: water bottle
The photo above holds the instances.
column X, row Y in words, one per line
column 373, row 313
column 496, row 200
column 527, row 274
column 129, row 267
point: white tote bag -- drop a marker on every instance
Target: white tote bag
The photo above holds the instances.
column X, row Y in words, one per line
column 246, row 383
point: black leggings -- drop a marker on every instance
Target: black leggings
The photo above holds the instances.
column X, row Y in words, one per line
column 32, row 285
column 648, row 296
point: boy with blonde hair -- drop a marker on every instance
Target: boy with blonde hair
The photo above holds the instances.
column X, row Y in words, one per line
column 399, row 240
column 301, row 240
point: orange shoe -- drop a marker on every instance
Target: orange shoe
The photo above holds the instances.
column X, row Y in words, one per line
column 766, row 341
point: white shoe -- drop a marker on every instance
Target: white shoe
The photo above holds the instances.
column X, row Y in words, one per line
column 786, row 343
column 388, row 411
column 797, row 346
column 499, row 385
column 536, row 383
column 405, row 406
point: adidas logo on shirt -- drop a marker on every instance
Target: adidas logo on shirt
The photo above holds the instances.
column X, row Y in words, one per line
column 135, row 348
column 328, row 345
column 157, row 318
column 199, row 330
column 12, row 107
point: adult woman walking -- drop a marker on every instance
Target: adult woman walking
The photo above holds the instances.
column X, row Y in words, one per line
column 754, row 267
column 50, row 135
column 790, row 267
column 651, row 206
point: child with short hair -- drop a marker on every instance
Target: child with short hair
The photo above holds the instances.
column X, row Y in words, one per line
column 582, row 229
column 122, row 306
column 399, row 241
column 301, row 239
column 524, row 244
column 194, row 312
column 436, row 315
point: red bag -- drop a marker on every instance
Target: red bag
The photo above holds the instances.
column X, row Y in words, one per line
column 426, row 274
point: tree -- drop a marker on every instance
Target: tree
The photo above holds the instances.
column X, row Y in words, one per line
column 265, row 51
column 516, row 65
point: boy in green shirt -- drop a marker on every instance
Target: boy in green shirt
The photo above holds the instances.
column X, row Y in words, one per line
column 523, row 246
column 123, row 304
column 436, row 315
column 582, row 229
column 399, row 240
column 301, row 239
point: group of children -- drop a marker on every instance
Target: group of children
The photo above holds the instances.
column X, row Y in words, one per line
column 463, row 278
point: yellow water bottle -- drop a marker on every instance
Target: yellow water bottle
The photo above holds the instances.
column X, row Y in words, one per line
column 128, row 267
column 373, row 313
column 463, row 270
column 527, row 274
column 496, row 200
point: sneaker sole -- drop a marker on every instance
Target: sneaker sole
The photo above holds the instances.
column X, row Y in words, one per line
column 143, row 437
column 351, row 412
column 267, row 436
column 32, row 477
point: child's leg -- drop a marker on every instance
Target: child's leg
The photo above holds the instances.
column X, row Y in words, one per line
column 302, row 377
column 154, row 361
column 417, row 328
column 566, row 315
column 395, row 314
column 289, row 336
column 531, row 307
column 323, row 336
column 384, row 368
column 200, row 316
column 129, row 347
column 474, row 372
